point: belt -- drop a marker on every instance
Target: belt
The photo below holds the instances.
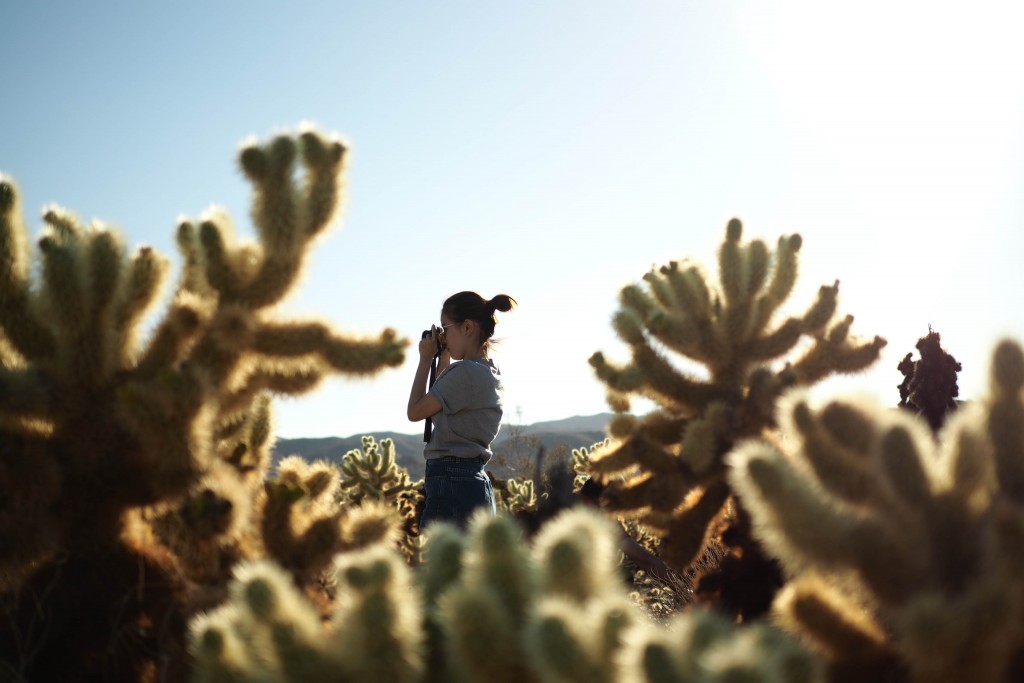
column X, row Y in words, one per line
column 454, row 458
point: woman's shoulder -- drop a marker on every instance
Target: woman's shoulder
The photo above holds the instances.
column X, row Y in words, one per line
column 480, row 367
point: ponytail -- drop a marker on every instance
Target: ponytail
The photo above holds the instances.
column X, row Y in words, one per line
column 501, row 302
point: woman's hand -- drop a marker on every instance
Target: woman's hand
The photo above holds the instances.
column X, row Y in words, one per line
column 421, row 404
column 429, row 345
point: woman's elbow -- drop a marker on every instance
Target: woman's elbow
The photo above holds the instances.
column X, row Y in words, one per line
column 423, row 408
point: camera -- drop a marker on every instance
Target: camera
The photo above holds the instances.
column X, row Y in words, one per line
column 437, row 334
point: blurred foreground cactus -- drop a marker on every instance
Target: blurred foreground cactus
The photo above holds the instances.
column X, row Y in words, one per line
column 668, row 467
column 484, row 607
column 906, row 554
column 96, row 425
column 269, row 632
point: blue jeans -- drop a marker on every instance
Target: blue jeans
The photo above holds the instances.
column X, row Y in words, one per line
column 455, row 488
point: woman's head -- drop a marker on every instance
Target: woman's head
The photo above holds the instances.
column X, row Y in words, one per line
column 472, row 318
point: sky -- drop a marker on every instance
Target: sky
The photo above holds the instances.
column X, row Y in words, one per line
column 554, row 151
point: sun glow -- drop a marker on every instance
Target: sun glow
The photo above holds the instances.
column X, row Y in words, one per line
column 905, row 142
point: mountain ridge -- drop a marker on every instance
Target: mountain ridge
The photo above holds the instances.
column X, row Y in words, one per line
column 513, row 448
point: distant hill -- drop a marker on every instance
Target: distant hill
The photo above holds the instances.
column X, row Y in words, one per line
column 557, row 436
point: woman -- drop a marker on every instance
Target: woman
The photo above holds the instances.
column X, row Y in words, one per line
column 465, row 405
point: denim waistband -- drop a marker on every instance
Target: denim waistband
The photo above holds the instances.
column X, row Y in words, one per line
column 454, row 458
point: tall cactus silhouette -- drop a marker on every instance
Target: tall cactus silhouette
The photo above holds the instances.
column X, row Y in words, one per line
column 669, row 465
column 96, row 424
column 904, row 551
column 929, row 385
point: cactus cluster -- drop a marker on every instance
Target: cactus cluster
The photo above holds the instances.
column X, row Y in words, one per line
column 145, row 535
column 267, row 631
column 904, row 552
column 302, row 526
column 485, row 606
column 516, row 495
column 372, row 472
column 669, row 465
column 98, row 425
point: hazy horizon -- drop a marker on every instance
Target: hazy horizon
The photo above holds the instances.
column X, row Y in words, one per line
column 554, row 152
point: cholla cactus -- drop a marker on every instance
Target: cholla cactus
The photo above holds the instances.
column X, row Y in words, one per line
column 669, row 465
column 906, row 554
column 301, row 525
column 507, row 612
column 373, row 473
column 486, row 607
column 703, row 646
column 581, row 462
column 95, row 424
column 517, row 495
column 269, row 632
column 217, row 522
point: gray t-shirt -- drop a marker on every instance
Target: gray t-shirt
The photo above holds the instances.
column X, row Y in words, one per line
column 470, row 393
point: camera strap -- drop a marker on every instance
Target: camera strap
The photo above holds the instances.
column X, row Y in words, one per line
column 428, row 426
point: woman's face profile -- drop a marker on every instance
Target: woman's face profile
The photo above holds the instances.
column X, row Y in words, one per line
column 456, row 336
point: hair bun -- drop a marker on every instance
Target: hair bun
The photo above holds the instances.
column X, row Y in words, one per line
column 501, row 302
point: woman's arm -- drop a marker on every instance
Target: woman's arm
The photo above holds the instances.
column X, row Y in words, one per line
column 421, row 404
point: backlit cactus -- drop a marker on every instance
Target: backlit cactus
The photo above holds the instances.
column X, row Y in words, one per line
column 268, row 631
column 581, row 462
column 669, row 464
column 701, row 646
column 516, row 496
column 507, row 612
column 372, row 472
column 301, row 525
column 96, row 424
column 905, row 553
column 485, row 607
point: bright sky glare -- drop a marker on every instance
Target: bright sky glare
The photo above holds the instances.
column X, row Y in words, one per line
column 554, row 151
